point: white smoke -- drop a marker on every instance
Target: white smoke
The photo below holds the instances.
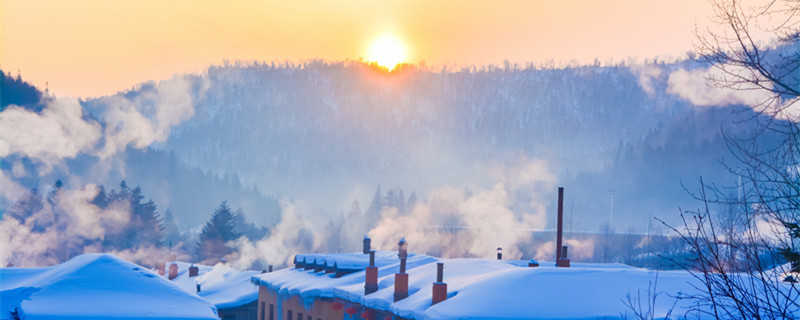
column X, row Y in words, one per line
column 579, row 249
column 62, row 130
column 646, row 74
column 699, row 86
column 68, row 223
column 455, row 223
column 715, row 87
column 146, row 118
column 293, row 234
column 58, row 132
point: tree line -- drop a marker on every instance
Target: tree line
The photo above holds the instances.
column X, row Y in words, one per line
column 145, row 227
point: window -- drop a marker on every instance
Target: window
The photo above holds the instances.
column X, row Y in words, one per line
column 271, row 311
column 263, row 310
column 299, row 316
column 289, row 314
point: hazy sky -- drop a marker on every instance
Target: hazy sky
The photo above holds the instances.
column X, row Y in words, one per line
column 96, row 47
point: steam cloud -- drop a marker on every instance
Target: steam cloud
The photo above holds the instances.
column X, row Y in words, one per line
column 67, row 223
column 647, row 73
column 701, row 87
column 62, row 130
column 293, row 234
column 59, row 132
column 453, row 223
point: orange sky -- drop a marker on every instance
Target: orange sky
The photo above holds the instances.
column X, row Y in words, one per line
column 96, row 47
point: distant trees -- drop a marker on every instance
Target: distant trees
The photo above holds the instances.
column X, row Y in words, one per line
column 68, row 222
column 18, row 92
column 144, row 227
column 221, row 229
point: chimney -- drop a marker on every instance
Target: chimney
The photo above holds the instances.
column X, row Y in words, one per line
column 439, row 287
column 198, row 287
column 193, row 271
column 559, row 231
column 173, row 270
column 499, row 253
column 401, row 278
column 367, row 245
column 269, row 269
column 564, row 262
column 371, row 283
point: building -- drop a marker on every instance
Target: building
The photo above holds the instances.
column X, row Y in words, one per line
column 317, row 288
column 96, row 286
column 228, row 289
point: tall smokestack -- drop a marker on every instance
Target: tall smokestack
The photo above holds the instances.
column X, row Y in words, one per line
column 371, row 283
column 439, row 287
column 560, row 223
column 367, row 245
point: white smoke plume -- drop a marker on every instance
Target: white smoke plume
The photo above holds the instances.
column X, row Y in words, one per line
column 147, row 117
column 67, row 224
column 647, row 73
column 293, row 234
column 698, row 86
column 579, row 249
column 58, row 132
column 455, row 223
column 62, row 130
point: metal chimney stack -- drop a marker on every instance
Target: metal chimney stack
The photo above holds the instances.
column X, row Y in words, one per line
column 367, row 245
column 439, row 287
column 371, row 283
column 561, row 252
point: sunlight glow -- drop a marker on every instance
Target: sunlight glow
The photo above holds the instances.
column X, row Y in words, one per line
column 387, row 51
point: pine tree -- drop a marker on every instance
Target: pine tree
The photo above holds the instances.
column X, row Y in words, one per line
column 412, row 201
column 101, row 199
column 217, row 233
column 401, row 202
column 146, row 223
column 171, row 232
column 374, row 211
column 26, row 207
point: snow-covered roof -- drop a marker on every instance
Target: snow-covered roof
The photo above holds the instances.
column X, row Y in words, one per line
column 97, row 286
column 221, row 284
column 486, row 289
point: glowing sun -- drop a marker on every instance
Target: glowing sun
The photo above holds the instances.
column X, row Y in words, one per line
column 387, row 51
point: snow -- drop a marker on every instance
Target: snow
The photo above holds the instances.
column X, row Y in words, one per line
column 97, row 286
column 221, row 284
column 488, row 289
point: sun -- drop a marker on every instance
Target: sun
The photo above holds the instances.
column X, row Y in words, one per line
column 387, row 51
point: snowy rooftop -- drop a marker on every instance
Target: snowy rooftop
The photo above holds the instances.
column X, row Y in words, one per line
column 221, row 285
column 98, row 286
column 480, row 288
